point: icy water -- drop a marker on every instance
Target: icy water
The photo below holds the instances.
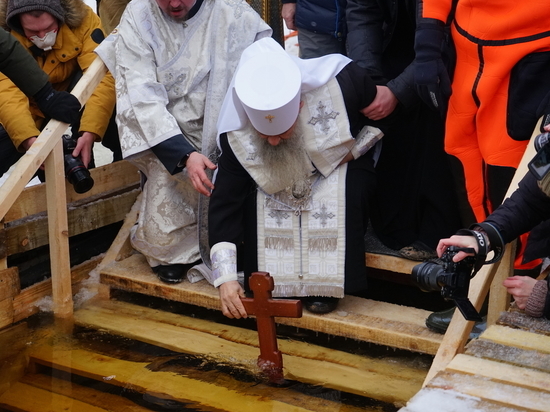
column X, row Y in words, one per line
column 42, row 370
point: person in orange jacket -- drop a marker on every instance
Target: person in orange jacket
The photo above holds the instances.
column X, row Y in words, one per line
column 500, row 85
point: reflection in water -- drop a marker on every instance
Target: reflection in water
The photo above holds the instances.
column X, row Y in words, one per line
column 65, row 367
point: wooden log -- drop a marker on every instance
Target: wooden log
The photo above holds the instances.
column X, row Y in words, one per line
column 9, row 283
column 308, row 363
column 499, row 298
column 111, row 177
column 31, row 233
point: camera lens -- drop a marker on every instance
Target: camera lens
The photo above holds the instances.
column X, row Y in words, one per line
column 425, row 275
column 77, row 174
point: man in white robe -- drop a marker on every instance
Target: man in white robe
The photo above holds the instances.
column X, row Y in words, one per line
column 173, row 61
column 294, row 178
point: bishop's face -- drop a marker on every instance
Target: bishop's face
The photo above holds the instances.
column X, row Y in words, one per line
column 176, row 9
column 274, row 140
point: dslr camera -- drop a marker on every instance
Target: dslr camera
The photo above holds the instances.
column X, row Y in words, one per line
column 76, row 173
column 451, row 278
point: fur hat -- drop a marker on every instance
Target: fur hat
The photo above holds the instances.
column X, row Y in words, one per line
column 17, row 7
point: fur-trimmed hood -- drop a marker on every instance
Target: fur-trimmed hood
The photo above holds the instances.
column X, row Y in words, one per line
column 74, row 12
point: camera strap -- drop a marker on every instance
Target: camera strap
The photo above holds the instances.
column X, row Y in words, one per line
column 482, row 247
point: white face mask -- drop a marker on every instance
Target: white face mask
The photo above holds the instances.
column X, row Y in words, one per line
column 45, row 43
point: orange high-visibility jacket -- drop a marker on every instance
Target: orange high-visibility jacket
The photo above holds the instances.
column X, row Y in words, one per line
column 490, row 37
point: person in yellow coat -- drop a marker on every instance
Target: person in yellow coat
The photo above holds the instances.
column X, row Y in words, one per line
column 61, row 35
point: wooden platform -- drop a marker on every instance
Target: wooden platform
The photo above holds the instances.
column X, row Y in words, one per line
column 362, row 319
column 60, row 359
column 507, row 369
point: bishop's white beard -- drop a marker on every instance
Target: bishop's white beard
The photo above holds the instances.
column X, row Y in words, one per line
column 287, row 162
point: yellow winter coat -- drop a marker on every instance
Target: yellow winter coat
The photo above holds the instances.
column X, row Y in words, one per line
column 73, row 50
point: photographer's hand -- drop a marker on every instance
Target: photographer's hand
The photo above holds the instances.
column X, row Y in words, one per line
column 459, row 241
column 84, row 146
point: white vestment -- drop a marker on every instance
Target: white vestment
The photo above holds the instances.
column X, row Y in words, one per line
column 171, row 78
column 301, row 236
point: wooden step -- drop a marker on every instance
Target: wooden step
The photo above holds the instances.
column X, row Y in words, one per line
column 361, row 375
column 362, row 319
column 138, row 377
column 504, row 370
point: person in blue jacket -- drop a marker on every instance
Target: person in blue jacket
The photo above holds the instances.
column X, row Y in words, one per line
column 321, row 25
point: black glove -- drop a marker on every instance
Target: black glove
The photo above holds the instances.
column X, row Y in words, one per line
column 430, row 74
column 61, row 106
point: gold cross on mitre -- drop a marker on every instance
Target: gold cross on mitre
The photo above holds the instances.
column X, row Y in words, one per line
column 270, row 118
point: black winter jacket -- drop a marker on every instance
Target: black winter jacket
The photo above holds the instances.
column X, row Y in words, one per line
column 381, row 39
column 526, row 208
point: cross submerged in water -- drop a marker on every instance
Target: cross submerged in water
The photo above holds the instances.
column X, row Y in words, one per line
column 265, row 308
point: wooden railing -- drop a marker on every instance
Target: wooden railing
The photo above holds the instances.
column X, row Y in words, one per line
column 48, row 150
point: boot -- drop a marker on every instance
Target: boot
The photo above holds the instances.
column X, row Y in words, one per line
column 439, row 322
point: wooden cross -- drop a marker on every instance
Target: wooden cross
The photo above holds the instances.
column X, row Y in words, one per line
column 265, row 308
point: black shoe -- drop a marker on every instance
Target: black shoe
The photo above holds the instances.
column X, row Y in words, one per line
column 171, row 273
column 320, row 304
column 439, row 322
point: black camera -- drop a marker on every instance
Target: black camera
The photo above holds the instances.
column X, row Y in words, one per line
column 76, row 173
column 452, row 278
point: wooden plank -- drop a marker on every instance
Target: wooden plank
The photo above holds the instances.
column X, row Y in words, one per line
column 517, row 338
column 9, row 283
column 58, row 231
column 84, row 394
column 500, row 372
column 33, row 233
column 6, row 312
column 520, row 320
column 482, row 348
column 121, row 248
column 110, row 177
column 448, row 400
column 497, row 392
column 499, row 298
column 389, row 263
column 357, row 318
column 168, row 385
column 24, row 304
column 23, row 397
column 378, row 379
